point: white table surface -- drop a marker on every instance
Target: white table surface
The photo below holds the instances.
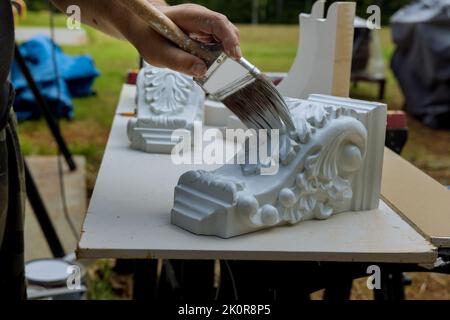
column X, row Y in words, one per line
column 129, row 217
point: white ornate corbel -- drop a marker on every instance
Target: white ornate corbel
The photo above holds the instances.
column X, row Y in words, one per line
column 331, row 164
column 166, row 101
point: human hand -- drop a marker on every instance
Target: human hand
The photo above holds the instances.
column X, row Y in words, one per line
column 199, row 23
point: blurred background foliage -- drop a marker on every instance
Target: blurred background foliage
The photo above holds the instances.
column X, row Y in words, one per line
column 268, row 11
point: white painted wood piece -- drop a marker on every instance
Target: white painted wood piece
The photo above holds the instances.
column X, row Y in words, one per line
column 324, row 55
column 406, row 188
column 129, row 217
column 331, row 164
column 166, row 101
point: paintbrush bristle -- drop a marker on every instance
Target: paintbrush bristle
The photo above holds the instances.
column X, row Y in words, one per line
column 259, row 105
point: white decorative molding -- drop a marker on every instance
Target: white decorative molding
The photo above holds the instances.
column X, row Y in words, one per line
column 332, row 164
column 166, row 101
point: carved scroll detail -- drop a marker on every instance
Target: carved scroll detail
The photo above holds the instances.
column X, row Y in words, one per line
column 323, row 180
column 322, row 186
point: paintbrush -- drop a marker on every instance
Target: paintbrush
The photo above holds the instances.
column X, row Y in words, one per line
column 236, row 83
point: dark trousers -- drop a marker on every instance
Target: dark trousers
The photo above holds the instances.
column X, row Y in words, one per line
column 12, row 207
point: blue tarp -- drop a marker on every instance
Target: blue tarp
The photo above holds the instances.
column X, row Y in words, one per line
column 76, row 76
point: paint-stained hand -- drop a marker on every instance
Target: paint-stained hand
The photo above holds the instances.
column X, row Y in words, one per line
column 199, row 23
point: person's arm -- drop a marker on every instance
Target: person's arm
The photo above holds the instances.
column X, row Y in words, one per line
column 115, row 19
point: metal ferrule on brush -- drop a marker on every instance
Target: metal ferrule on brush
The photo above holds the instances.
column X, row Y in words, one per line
column 226, row 76
column 251, row 68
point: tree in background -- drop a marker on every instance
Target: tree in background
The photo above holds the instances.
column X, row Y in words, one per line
column 36, row 5
column 268, row 11
column 285, row 11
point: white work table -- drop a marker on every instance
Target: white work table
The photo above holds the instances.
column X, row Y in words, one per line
column 129, row 217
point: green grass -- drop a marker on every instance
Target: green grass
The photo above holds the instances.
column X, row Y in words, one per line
column 42, row 18
column 269, row 47
column 104, row 284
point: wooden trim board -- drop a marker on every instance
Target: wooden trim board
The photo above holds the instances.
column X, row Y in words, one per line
column 417, row 198
column 342, row 63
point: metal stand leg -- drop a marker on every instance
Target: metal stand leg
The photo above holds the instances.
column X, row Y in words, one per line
column 382, row 89
column 32, row 191
column 186, row 280
column 339, row 291
column 54, row 128
column 124, row 266
column 396, row 139
column 198, row 279
column 249, row 280
column 145, row 279
column 392, row 287
column 42, row 216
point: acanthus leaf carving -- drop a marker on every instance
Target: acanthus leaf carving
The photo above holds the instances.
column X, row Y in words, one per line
column 166, row 91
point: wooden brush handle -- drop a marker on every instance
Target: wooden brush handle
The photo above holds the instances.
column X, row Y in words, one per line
column 159, row 22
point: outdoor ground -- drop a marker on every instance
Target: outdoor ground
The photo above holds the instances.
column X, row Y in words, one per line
column 271, row 48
